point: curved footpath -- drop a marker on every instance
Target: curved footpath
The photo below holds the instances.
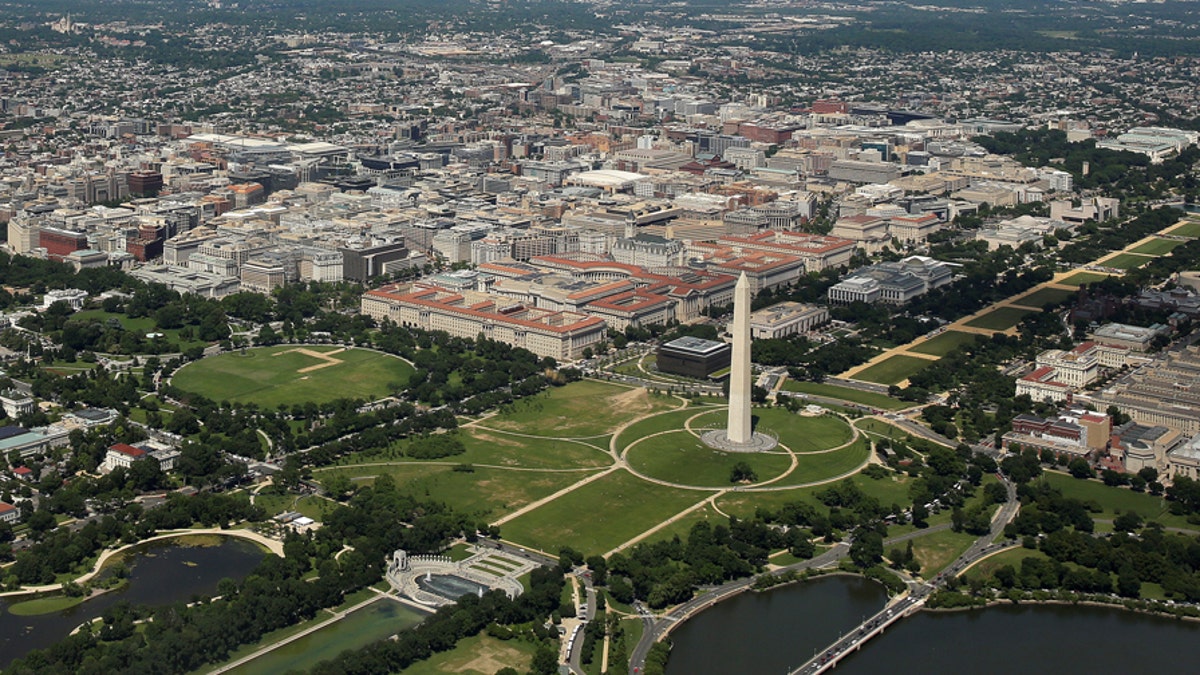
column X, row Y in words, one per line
column 272, row 545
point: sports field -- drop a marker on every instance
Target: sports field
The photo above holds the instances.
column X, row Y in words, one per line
column 292, row 374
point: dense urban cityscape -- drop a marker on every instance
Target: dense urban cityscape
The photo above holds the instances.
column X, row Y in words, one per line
column 550, row 337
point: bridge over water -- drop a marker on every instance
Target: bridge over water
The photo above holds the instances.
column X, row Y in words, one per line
column 658, row 627
column 915, row 598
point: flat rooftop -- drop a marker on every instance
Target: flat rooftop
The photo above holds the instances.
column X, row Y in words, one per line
column 695, row 345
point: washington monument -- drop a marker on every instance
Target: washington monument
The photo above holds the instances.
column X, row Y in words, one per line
column 739, row 435
column 740, row 428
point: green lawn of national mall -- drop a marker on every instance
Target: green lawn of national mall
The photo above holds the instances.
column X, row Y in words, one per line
column 599, row 466
column 294, row 374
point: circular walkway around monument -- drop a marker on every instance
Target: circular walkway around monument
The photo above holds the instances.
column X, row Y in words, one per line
column 718, row 439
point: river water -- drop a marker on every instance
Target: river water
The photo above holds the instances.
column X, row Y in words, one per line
column 774, row 631
column 161, row 573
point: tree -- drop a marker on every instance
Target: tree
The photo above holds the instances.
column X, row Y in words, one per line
column 1127, row 522
column 920, row 516
column 1114, row 478
column 41, row 522
column 545, row 662
column 1080, row 468
column 146, row 475
column 1184, row 495
column 1128, row 583
column 338, row 485
column 599, row 567
column 742, row 472
column 183, row 423
column 867, row 549
column 1137, row 483
column 568, row 558
column 169, row 316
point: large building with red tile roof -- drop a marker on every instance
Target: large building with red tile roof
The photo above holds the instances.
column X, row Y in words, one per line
column 1042, row 384
column 692, row 290
column 633, row 308
column 818, row 252
column 763, row 270
column 122, row 455
column 557, row 334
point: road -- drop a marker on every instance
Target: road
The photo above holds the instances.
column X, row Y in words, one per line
column 574, row 659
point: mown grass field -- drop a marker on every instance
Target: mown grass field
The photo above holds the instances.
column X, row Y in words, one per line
column 46, row 605
column 804, row 434
column 988, row 566
column 1115, row 500
column 497, row 448
column 1156, row 247
column 482, row 492
column 273, row 376
column 935, row 551
column 680, row 457
column 684, row 525
column 313, row 506
column 845, row 393
column 1081, row 278
column 821, row 466
column 478, row 655
column 1001, row 318
column 667, row 422
column 945, row 343
column 1044, row 296
column 893, row 370
column 579, row 410
column 889, row 490
column 140, row 325
column 1126, row 261
column 601, row 515
column 1188, row 229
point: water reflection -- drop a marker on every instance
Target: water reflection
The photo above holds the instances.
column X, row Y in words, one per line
column 160, row 573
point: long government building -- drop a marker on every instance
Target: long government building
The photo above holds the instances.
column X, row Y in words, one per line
column 559, row 334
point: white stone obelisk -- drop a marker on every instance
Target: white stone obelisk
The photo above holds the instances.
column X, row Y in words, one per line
column 740, row 429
